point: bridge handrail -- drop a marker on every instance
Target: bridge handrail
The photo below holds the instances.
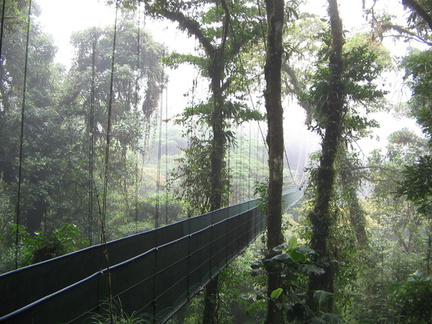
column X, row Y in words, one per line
column 174, row 235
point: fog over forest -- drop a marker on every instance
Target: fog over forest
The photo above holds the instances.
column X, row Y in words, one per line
column 228, row 161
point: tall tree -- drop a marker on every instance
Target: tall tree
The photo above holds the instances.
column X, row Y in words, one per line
column 343, row 91
column 222, row 28
column 416, row 186
column 275, row 22
column 136, row 87
column 333, row 107
column 41, row 137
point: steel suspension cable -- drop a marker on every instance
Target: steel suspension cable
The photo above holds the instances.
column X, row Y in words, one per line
column 107, row 162
column 253, row 105
column 249, row 195
column 289, row 168
column 22, row 128
column 139, row 174
column 2, row 28
column 230, row 184
column 109, row 125
column 247, row 84
column 159, row 156
column 242, row 155
column 91, row 141
column 138, row 58
column 1, row 48
column 192, row 128
column 240, row 167
column 166, row 154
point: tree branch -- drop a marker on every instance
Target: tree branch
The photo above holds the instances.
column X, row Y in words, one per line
column 226, row 24
column 400, row 30
column 415, row 6
column 192, row 27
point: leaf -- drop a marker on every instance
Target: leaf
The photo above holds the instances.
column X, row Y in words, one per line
column 293, row 242
column 306, row 250
column 281, row 257
column 276, row 293
column 297, row 256
column 281, row 247
column 322, row 296
column 311, row 269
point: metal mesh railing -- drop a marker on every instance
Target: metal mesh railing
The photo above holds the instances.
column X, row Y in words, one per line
column 153, row 273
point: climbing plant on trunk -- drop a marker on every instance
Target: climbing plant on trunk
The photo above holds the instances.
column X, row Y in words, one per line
column 333, row 109
column 343, row 89
column 275, row 22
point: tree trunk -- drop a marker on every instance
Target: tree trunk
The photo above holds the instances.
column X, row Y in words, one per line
column 428, row 250
column 275, row 20
column 420, row 10
column 217, row 157
column 321, row 217
column 211, row 301
column 34, row 215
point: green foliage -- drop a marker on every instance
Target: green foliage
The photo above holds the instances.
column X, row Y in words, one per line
column 398, row 234
column 416, row 185
column 44, row 142
column 246, row 167
column 41, row 247
column 321, row 297
column 59, row 124
column 363, row 64
column 137, row 67
column 116, row 314
column 173, row 60
column 411, row 300
column 261, row 191
column 37, row 247
column 418, row 66
column 347, row 235
column 194, row 172
column 238, row 291
column 416, row 22
column 386, row 264
column 297, row 266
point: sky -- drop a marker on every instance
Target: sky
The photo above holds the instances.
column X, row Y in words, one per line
column 61, row 17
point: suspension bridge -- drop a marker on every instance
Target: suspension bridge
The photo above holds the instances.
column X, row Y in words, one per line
column 153, row 273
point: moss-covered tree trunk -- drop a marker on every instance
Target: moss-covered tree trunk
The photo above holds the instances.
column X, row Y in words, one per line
column 321, row 217
column 275, row 20
column 222, row 38
column 217, row 158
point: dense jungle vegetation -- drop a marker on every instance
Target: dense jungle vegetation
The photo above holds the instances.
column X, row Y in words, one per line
column 89, row 152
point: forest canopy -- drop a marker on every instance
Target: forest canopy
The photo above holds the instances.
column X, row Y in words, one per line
column 171, row 109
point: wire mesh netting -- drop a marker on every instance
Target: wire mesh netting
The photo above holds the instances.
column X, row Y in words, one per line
column 153, row 273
